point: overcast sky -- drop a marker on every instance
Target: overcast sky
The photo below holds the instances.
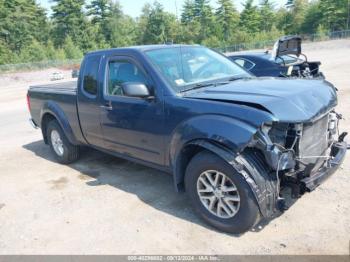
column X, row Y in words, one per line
column 133, row 7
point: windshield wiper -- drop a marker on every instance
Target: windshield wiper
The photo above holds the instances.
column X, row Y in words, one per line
column 227, row 81
column 197, row 86
column 201, row 85
column 234, row 78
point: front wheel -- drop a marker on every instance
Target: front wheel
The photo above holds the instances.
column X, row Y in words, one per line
column 64, row 151
column 220, row 195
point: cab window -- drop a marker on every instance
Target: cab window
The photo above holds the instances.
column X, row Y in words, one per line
column 92, row 65
column 120, row 72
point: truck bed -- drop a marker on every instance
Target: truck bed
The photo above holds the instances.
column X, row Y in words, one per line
column 60, row 98
column 69, row 87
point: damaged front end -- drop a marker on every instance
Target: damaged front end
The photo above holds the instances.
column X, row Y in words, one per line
column 301, row 155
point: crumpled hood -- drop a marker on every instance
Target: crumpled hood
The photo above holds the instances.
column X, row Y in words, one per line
column 289, row 100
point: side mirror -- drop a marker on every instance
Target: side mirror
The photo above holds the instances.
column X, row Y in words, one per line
column 135, row 90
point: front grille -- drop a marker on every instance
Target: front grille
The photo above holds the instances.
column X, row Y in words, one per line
column 313, row 143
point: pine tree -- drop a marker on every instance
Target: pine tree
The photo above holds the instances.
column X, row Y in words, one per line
column 311, row 22
column 99, row 10
column 227, row 17
column 21, row 22
column 160, row 26
column 27, row 34
column 142, row 22
column 50, row 51
column 188, row 12
column 295, row 17
column 335, row 14
column 6, row 56
column 123, row 32
column 250, row 17
column 71, row 50
column 34, row 52
column 69, row 20
column 267, row 15
column 203, row 14
column 106, row 16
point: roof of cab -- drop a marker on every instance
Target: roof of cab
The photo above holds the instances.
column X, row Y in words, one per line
column 141, row 48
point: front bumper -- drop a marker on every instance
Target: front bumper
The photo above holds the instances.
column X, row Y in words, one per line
column 338, row 153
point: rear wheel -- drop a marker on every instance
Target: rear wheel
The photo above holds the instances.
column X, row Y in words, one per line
column 64, row 151
column 219, row 194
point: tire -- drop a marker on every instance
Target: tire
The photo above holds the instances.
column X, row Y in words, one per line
column 66, row 152
column 247, row 210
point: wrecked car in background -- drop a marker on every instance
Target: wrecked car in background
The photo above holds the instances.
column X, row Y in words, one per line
column 285, row 60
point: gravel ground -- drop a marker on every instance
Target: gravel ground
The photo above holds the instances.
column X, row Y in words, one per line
column 105, row 205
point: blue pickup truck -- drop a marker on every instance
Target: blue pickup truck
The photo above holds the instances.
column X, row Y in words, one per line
column 230, row 140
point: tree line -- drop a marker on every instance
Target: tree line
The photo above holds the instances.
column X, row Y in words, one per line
column 27, row 34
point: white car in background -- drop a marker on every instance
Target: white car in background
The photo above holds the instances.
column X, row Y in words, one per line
column 56, row 76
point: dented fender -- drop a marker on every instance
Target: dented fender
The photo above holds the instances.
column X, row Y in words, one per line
column 263, row 187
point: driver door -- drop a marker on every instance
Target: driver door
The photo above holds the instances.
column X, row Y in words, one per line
column 131, row 126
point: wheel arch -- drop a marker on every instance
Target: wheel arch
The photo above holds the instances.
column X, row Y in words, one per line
column 262, row 185
column 192, row 148
column 52, row 111
column 46, row 118
column 217, row 133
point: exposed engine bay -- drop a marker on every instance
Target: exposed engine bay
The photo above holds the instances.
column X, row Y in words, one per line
column 304, row 69
column 299, row 153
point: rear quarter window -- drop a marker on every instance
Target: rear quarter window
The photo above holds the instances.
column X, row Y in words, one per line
column 92, row 65
column 248, row 65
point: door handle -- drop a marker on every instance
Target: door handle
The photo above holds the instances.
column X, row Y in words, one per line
column 107, row 106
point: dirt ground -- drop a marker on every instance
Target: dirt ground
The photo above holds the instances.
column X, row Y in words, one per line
column 105, row 205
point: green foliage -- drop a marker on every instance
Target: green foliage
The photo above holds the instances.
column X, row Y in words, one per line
column 69, row 20
column 227, row 18
column 71, row 50
column 188, row 12
column 34, row 52
column 124, row 33
column 60, row 54
column 267, row 15
column 21, row 21
column 77, row 26
column 335, row 14
column 212, row 41
column 312, row 19
column 296, row 16
column 159, row 26
column 321, row 33
column 100, row 10
column 50, row 51
column 203, row 14
column 250, row 17
column 190, row 33
column 5, row 53
column 120, row 29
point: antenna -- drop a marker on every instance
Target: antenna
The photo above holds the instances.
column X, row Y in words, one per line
column 176, row 10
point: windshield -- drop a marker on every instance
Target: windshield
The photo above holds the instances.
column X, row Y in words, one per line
column 184, row 67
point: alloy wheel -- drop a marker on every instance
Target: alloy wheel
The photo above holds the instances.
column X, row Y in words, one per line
column 218, row 194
